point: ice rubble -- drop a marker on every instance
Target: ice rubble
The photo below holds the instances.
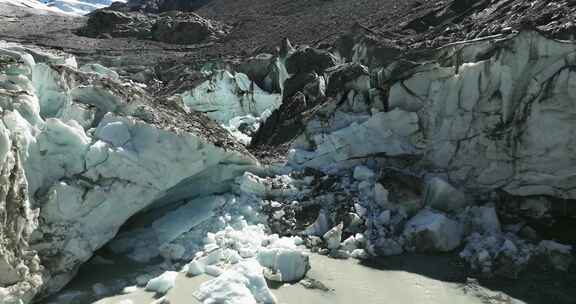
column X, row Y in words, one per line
column 88, row 143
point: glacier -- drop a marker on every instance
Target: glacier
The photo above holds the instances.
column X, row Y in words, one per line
column 78, row 7
column 388, row 160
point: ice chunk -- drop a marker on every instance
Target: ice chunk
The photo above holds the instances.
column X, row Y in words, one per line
column 359, row 254
column 213, row 270
column 334, row 236
column 115, row 133
column 129, row 289
column 264, row 187
column 195, row 268
column 99, row 69
column 289, row 265
column 162, row 283
column 212, row 257
column 363, row 173
column 432, row 231
column 349, row 244
column 381, row 195
column 162, row 300
column 243, row 283
column 320, row 226
column 442, row 196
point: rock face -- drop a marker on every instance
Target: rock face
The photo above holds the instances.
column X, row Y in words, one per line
column 88, row 152
column 173, row 27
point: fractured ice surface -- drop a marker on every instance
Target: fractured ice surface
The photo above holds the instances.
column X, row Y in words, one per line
column 234, row 101
column 492, row 119
column 94, row 153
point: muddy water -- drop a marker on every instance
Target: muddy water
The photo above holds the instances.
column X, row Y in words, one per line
column 348, row 281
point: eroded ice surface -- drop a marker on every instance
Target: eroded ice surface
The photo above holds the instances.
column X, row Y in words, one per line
column 234, row 101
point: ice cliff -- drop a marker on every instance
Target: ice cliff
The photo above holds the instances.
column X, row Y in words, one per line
column 81, row 153
column 489, row 114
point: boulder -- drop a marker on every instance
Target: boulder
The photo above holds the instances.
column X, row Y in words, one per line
column 173, row 27
column 432, row 231
column 105, row 22
column 182, row 28
column 162, row 283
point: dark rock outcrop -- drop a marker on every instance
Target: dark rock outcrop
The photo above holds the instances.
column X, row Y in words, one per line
column 184, row 28
column 159, row 6
column 172, row 27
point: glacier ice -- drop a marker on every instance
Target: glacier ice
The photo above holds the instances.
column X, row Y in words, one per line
column 89, row 143
column 234, row 101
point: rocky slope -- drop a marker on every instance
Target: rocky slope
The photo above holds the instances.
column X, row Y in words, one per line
column 449, row 131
